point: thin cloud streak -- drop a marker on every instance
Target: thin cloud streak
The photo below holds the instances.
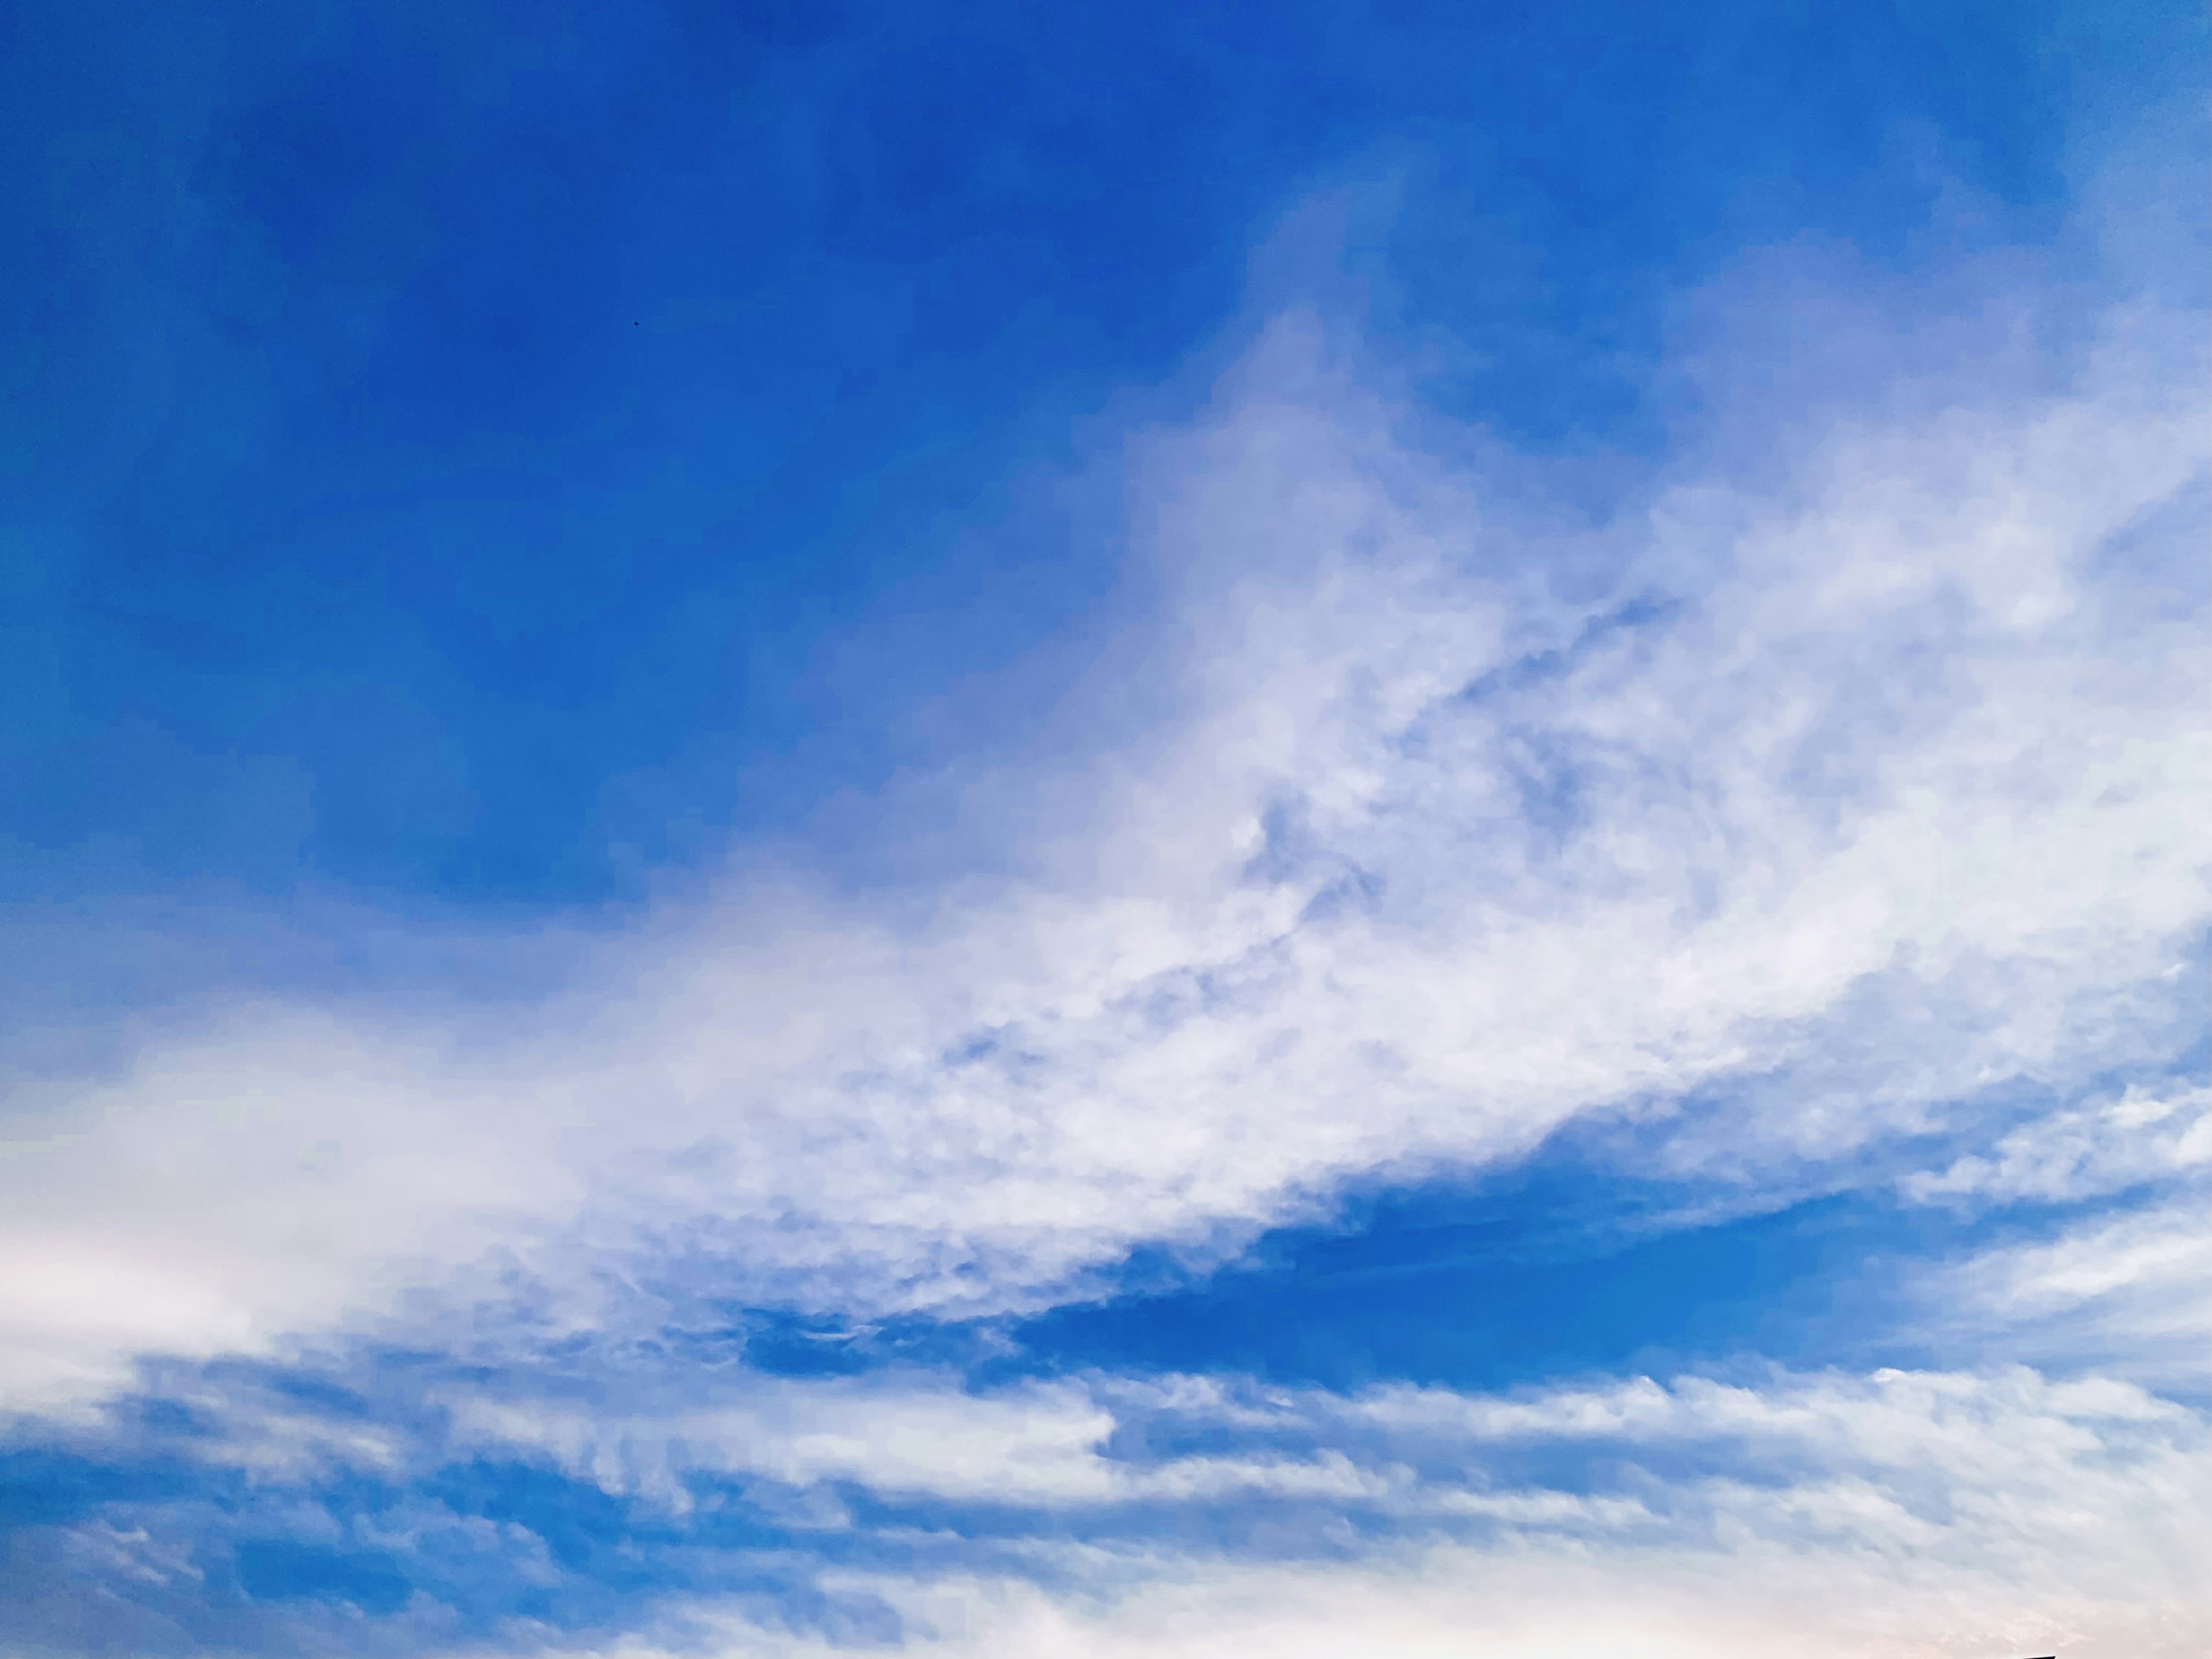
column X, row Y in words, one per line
column 1938, row 1513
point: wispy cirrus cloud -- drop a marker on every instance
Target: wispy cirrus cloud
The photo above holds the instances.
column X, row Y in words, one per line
column 1852, row 789
column 1834, row 791
column 1949, row 1513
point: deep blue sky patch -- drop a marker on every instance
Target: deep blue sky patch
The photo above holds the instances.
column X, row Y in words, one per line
column 447, row 446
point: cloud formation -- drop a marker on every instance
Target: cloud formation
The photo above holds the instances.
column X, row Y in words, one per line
column 1851, row 790
column 1820, row 811
column 1903, row 1511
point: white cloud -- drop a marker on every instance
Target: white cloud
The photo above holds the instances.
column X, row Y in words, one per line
column 1965, row 1514
column 2128, row 1293
column 2144, row 1135
column 1535, row 1604
column 1898, row 1513
column 2125, row 1285
column 1893, row 792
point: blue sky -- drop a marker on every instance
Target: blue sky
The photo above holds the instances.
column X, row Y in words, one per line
column 1020, row 830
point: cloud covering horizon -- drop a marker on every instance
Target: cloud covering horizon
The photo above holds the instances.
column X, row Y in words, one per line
column 1431, row 863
